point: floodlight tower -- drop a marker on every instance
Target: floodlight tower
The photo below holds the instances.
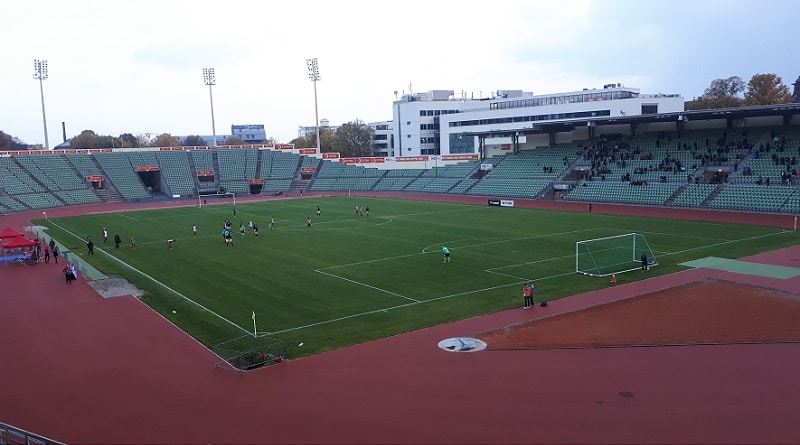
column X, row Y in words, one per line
column 313, row 74
column 40, row 74
column 208, row 79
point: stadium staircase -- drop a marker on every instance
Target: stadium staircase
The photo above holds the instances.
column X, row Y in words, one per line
column 298, row 183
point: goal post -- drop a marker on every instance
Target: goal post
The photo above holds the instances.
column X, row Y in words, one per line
column 202, row 198
column 601, row 257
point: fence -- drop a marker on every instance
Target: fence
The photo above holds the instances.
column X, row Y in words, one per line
column 248, row 352
column 15, row 436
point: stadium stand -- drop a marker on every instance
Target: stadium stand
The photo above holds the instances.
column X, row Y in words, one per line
column 119, row 170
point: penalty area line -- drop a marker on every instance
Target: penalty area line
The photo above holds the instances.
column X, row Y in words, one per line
column 366, row 285
column 414, row 303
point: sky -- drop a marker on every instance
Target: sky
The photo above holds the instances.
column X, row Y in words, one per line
column 136, row 66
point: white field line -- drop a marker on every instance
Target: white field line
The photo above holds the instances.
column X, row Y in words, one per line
column 460, row 294
column 366, row 285
column 725, row 242
column 517, row 283
column 493, row 270
column 160, row 283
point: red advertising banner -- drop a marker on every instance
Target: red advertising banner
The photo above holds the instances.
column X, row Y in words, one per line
column 308, row 151
column 505, row 147
column 330, row 155
column 284, row 146
column 308, row 169
column 411, row 158
column 146, row 168
column 205, row 172
column 362, row 160
column 257, row 181
column 472, row 157
column 94, row 178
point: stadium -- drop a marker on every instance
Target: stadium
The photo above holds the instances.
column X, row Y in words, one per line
column 354, row 330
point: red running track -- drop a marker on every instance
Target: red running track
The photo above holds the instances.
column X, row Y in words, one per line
column 82, row 369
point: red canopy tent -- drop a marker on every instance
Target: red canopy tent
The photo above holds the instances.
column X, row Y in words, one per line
column 19, row 241
column 8, row 232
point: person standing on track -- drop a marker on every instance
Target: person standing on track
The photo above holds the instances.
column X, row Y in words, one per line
column 527, row 293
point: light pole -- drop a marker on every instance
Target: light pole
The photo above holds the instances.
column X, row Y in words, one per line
column 208, row 79
column 40, row 73
column 313, row 74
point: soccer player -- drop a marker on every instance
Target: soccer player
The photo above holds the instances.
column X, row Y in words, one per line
column 446, row 253
column 308, row 223
column 272, row 224
column 318, row 211
column 194, row 230
column 133, row 242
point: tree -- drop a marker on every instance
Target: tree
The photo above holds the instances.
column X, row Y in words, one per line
column 354, row 139
column 130, row 140
column 194, row 141
column 767, row 89
column 8, row 142
column 143, row 140
column 165, row 140
column 87, row 139
column 302, row 142
column 722, row 93
column 234, row 140
column 327, row 140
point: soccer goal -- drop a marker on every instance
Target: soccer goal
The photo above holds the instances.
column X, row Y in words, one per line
column 202, row 198
column 601, row 257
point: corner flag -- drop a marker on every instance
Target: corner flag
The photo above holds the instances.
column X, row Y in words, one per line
column 254, row 324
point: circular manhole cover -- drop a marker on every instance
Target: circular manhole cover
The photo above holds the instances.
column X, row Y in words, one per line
column 462, row 344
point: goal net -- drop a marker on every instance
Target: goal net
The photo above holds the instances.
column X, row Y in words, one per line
column 613, row 254
column 204, row 198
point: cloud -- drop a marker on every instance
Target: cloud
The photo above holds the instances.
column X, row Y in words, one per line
column 185, row 54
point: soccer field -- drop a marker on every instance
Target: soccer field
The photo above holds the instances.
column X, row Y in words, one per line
column 353, row 278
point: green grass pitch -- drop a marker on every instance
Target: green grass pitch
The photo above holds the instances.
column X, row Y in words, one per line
column 356, row 278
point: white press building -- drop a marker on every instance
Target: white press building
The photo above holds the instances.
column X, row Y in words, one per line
column 438, row 123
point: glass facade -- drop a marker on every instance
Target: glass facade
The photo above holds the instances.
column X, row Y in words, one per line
column 562, row 99
column 533, row 118
column 462, row 144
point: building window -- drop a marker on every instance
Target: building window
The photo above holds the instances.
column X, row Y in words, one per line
column 649, row 108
